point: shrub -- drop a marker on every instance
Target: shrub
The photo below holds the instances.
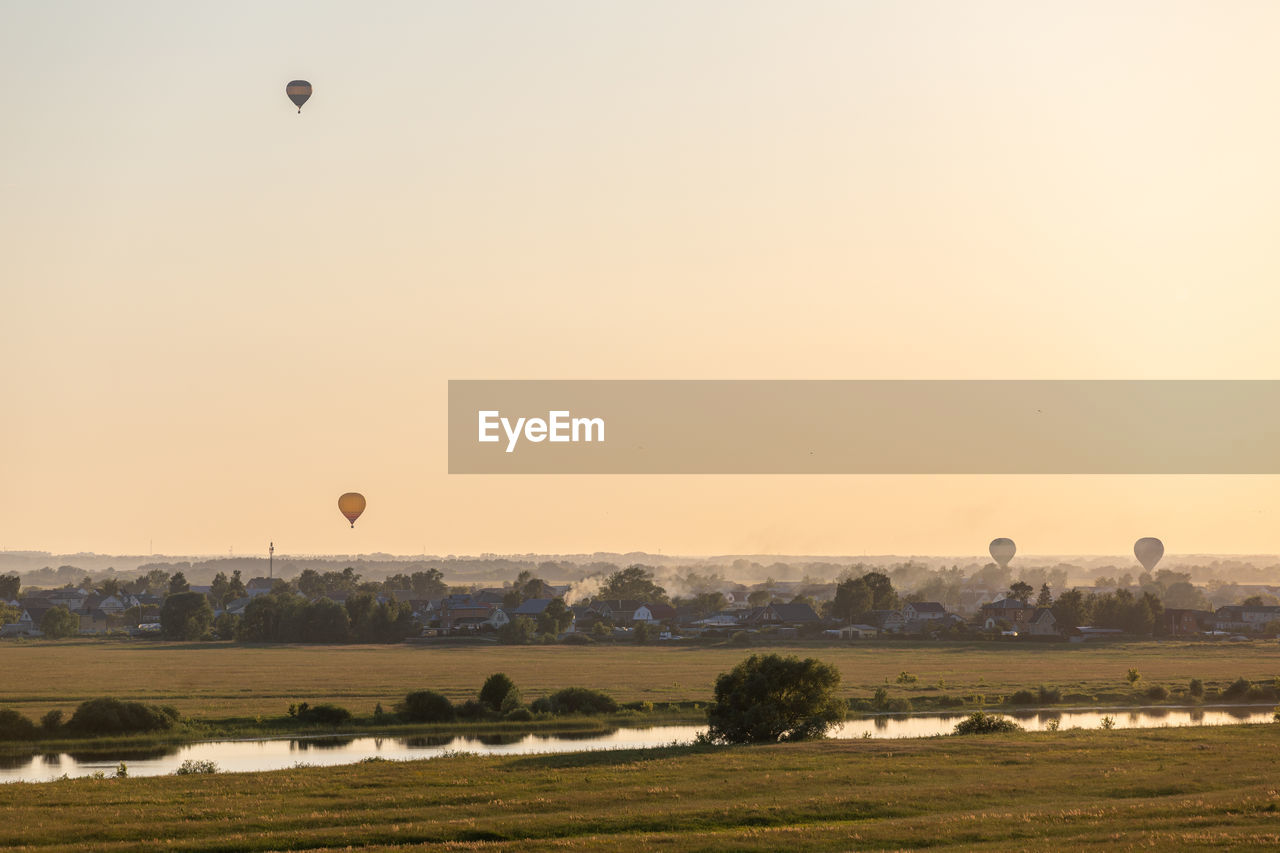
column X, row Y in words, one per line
column 1049, row 695
column 1022, row 697
column 541, row 705
column 324, row 714
column 581, row 700
column 426, row 706
column 14, row 726
column 51, row 721
column 518, row 715
column 1157, row 692
column 771, row 698
column 114, row 716
column 1133, row 676
column 1196, row 688
column 881, row 698
column 905, row 677
column 473, row 709
column 1108, row 723
column 949, row 701
column 499, row 692
column 578, row 639
column 979, row 723
column 193, row 767
column 899, row 706
column 1238, row 688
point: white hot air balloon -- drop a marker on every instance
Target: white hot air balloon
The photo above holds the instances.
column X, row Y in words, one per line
column 1002, row 551
column 1148, row 550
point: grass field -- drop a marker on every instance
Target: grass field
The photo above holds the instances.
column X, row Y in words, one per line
column 1163, row 789
column 223, row 680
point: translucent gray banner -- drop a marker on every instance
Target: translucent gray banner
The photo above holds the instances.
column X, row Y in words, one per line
column 864, row 427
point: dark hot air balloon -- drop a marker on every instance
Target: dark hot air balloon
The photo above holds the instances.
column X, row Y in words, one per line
column 298, row 92
column 1148, row 550
column 351, row 505
column 1002, row 551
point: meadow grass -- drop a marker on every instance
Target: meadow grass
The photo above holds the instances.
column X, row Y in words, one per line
column 1168, row 789
column 225, row 680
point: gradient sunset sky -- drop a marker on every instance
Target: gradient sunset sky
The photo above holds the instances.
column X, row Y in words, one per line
column 218, row 314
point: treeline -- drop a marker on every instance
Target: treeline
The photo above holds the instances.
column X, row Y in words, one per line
column 1135, row 614
column 286, row 617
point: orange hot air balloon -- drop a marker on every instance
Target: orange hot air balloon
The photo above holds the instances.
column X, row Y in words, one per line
column 298, row 92
column 351, row 505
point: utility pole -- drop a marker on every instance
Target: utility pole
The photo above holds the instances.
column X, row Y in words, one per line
column 271, row 560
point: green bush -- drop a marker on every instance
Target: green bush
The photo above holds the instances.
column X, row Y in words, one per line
column 426, row 706
column 1049, row 695
column 905, row 677
column 1022, row 697
column 1157, row 692
column 499, row 693
column 324, row 714
column 1196, row 688
column 518, row 715
column 1238, row 689
column 771, row 698
column 473, row 709
column 193, row 767
column 51, row 721
column 581, row 700
column 979, row 723
column 14, row 726
column 114, row 716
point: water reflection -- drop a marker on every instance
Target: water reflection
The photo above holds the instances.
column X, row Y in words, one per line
column 257, row 755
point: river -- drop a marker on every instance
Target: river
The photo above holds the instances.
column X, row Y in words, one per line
column 275, row 754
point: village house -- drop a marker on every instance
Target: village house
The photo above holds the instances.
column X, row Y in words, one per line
column 923, row 611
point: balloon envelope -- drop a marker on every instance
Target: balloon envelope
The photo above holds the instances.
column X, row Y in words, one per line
column 1148, row 550
column 351, row 505
column 1002, row 551
column 298, row 92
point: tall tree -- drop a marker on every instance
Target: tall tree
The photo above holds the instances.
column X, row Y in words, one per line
column 635, row 582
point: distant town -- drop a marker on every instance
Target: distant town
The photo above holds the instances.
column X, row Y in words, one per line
column 589, row 600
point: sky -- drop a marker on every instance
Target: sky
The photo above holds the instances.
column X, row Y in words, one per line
column 218, row 314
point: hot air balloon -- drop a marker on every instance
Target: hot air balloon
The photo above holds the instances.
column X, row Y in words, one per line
column 1148, row 550
column 1002, row 551
column 351, row 505
column 298, row 92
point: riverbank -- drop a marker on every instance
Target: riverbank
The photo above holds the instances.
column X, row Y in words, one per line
column 1183, row 789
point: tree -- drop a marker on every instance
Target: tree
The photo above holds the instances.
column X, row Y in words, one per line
column 1072, row 609
column 1045, row 599
column 759, row 598
column 185, row 615
column 883, row 595
column 235, row 588
column 557, row 617
column 1021, row 590
column 178, row 584
column 853, row 598
column 9, row 586
column 219, row 588
column 770, row 698
column 109, row 586
column 59, row 622
column 500, row 693
column 518, row 632
column 634, row 582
